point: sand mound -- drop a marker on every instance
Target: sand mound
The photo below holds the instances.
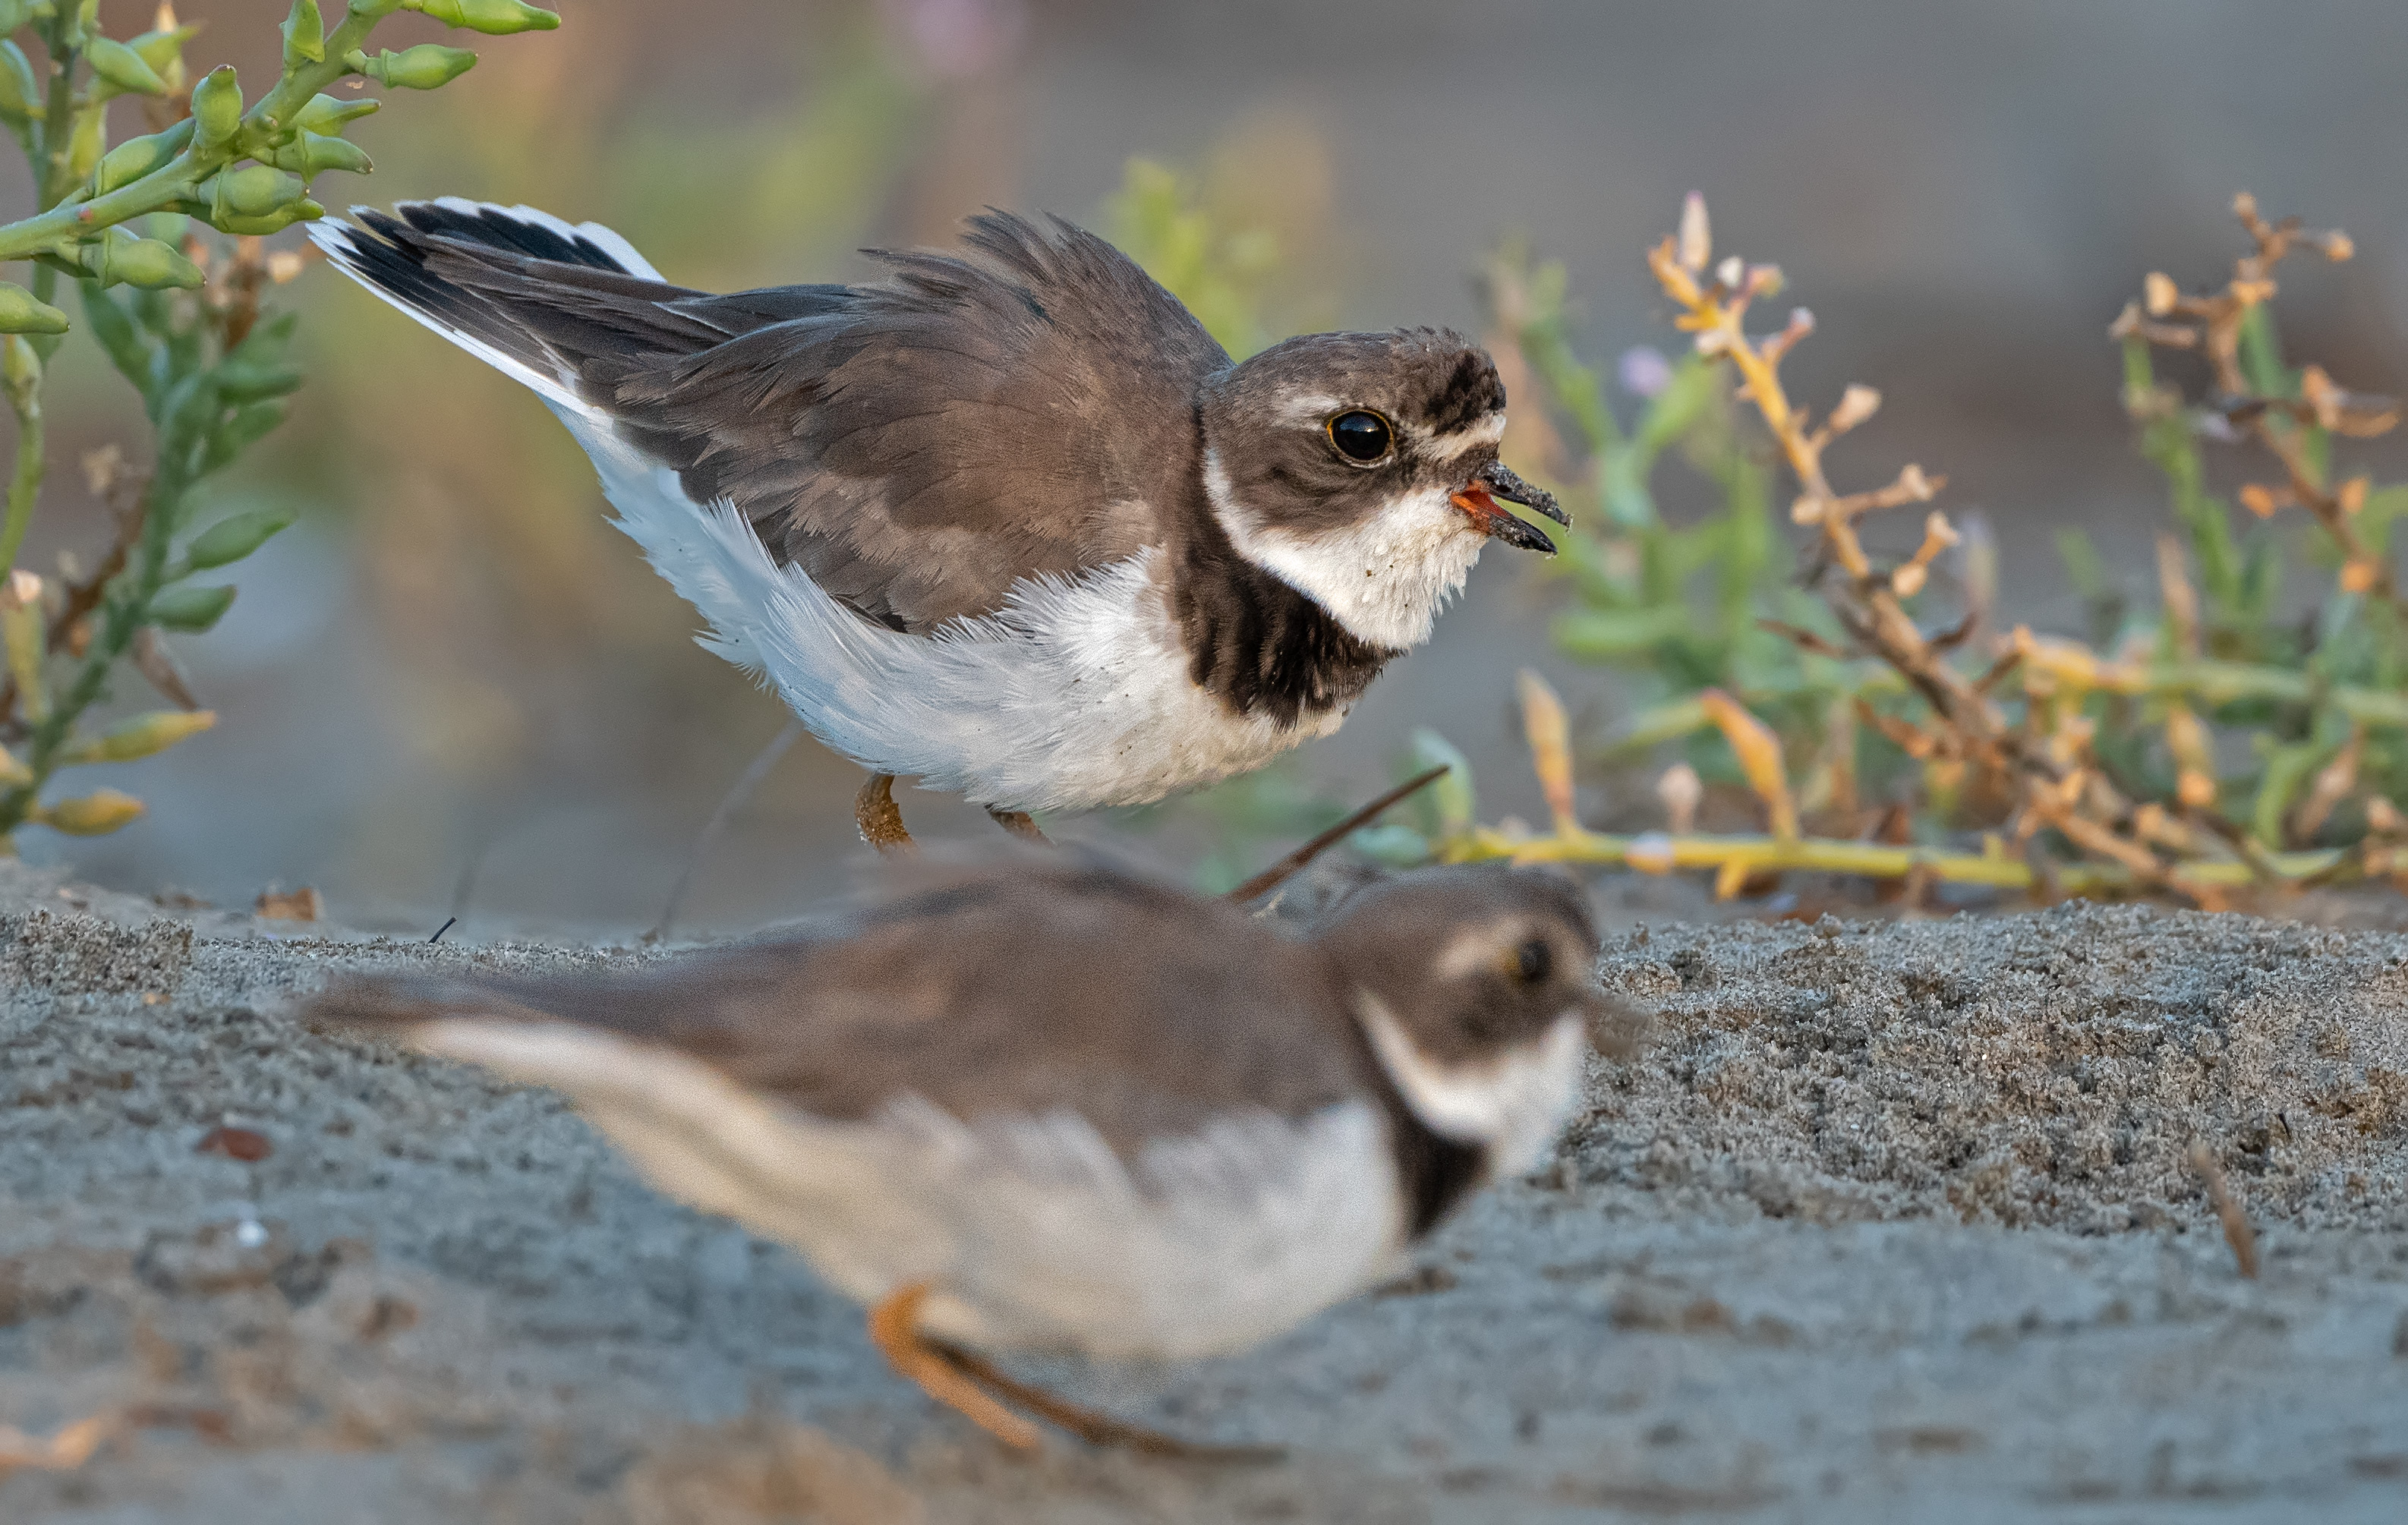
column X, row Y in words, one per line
column 2044, row 1070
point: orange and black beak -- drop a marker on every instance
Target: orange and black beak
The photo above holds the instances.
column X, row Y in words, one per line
column 1479, row 500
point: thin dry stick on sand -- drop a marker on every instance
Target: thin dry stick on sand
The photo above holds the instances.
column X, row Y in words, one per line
column 2237, row 1231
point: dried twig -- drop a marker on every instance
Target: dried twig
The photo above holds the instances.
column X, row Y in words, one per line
column 733, row 801
column 1278, row 873
column 2277, row 424
column 2237, row 1231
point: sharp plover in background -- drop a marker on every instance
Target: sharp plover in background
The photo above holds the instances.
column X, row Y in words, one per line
column 1049, row 1105
column 1008, row 520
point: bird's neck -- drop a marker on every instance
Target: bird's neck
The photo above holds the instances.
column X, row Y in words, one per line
column 1254, row 640
column 1384, row 576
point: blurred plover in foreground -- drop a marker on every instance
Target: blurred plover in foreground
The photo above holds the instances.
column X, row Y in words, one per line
column 1009, row 520
column 1046, row 1105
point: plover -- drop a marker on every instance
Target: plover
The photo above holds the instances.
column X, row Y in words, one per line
column 1049, row 1105
column 1008, row 520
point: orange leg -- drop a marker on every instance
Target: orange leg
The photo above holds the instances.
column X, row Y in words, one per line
column 1019, row 823
column 1086, row 1423
column 880, row 823
column 895, row 1329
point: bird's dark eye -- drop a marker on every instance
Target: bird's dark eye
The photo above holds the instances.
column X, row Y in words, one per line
column 1362, row 437
column 1532, row 961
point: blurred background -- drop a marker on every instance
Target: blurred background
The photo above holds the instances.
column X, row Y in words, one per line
column 454, row 684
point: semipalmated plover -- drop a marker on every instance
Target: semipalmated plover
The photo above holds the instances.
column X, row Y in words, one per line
column 1008, row 520
column 1049, row 1105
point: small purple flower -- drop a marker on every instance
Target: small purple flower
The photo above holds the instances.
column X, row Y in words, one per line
column 1645, row 371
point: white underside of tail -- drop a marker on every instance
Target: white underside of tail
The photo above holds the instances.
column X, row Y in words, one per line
column 1028, row 1231
column 1073, row 697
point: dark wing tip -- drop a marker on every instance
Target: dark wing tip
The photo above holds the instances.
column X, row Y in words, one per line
column 514, row 230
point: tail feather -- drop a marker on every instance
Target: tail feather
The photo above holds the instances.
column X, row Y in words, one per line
column 401, row 257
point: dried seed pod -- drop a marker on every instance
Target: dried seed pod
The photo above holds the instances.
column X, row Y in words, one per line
column 97, row 814
column 144, row 735
column 1551, row 748
column 1758, row 750
column 1696, row 239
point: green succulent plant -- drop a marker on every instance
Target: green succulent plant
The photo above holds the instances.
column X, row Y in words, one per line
column 182, row 316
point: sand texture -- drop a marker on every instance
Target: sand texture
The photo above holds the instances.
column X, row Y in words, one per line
column 1886, row 1222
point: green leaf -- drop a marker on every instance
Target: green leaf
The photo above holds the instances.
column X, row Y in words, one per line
column 165, row 50
column 2287, row 771
column 22, row 312
column 229, row 540
column 269, row 342
column 1453, row 799
column 21, row 97
column 2084, row 566
column 118, row 256
column 429, row 65
column 1604, row 636
column 117, row 334
column 1392, row 843
column 254, row 190
column 310, row 154
column 249, row 423
column 138, row 156
column 190, row 608
column 305, row 35
column 327, row 116
column 493, row 18
column 2262, row 353
column 217, row 108
column 304, row 211
column 123, row 68
column 241, row 380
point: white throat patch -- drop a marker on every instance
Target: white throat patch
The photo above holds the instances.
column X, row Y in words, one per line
column 1384, row 579
column 1514, row 1103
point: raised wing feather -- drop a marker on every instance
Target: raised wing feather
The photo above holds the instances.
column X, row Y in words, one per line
column 1024, row 408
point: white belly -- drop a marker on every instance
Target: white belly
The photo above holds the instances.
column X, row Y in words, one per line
column 1029, row 1232
column 1075, row 696
column 1032, row 1236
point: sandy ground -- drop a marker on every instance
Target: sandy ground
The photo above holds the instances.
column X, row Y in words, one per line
column 1890, row 1222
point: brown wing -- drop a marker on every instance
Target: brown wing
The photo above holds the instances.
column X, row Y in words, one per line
column 1012, row 989
column 916, row 446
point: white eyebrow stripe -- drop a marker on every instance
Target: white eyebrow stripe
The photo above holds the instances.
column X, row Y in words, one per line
column 1472, row 950
column 1313, row 409
column 1446, row 446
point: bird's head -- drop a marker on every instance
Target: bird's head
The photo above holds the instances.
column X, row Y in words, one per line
column 1475, row 986
column 1361, row 469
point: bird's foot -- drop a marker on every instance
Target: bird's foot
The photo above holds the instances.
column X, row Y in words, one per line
column 1095, row 1429
column 1019, row 823
column 895, row 1329
column 874, row 811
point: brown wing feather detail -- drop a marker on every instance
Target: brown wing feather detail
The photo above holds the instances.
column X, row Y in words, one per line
column 1022, row 408
column 1018, row 989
